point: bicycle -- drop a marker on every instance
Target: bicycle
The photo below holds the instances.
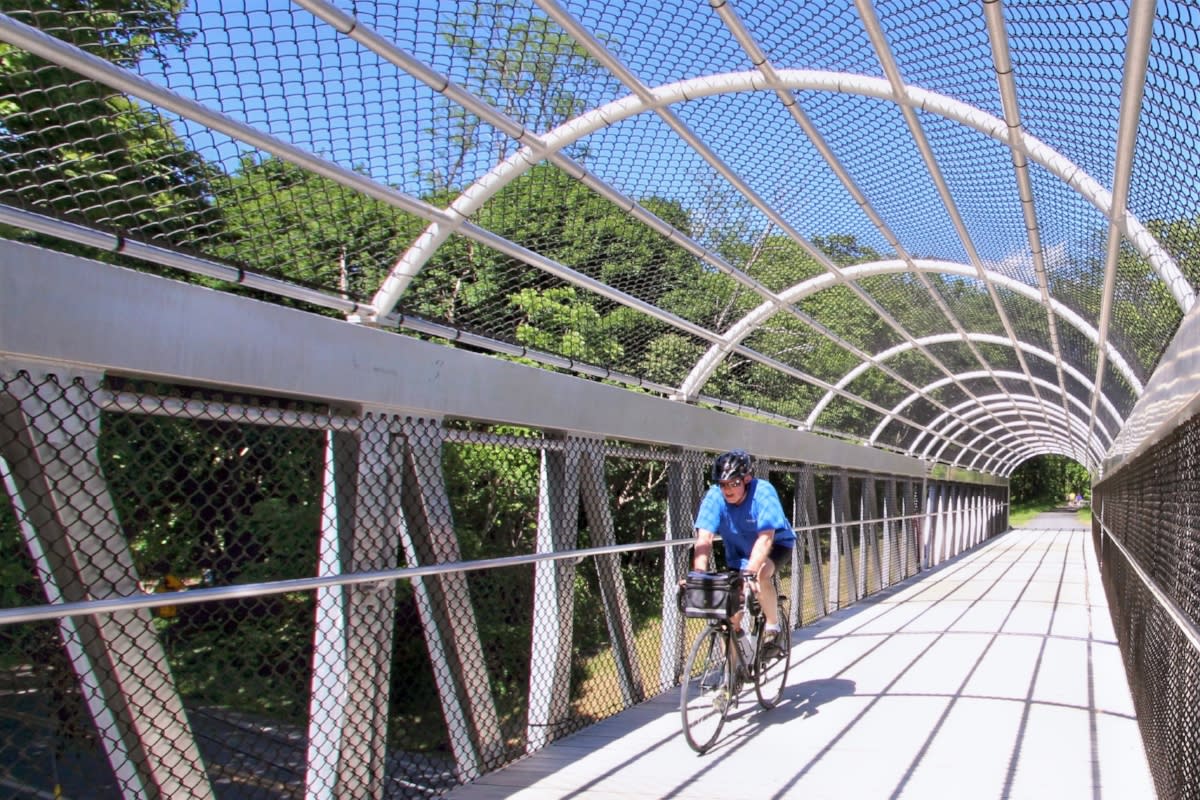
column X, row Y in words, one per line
column 717, row 669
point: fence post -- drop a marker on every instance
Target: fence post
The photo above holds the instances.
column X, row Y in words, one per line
column 841, row 542
column 890, row 515
column 805, row 504
column 369, row 481
column 869, row 554
column 929, row 525
column 329, row 695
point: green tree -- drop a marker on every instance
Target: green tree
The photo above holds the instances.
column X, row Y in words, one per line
column 1048, row 478
column 717, row 301
column 76, row 148
column 470, row 286
column 285, row 220
column 555, row 322
column 524, row 65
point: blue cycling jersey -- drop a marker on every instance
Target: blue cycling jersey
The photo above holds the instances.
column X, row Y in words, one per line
column 739, row 525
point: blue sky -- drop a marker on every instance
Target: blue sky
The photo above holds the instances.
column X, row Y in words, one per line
column 274, row 66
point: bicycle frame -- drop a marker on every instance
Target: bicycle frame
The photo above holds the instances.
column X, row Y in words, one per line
column 716, row 671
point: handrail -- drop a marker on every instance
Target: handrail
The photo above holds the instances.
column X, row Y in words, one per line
column 1188, row 628
column 379, row 576
column 52, row 611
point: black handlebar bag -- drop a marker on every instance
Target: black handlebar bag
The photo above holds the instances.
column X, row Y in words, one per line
column 711, row 595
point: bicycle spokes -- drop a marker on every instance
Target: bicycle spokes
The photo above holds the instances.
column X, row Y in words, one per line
column 771, row 668
column 708, row 690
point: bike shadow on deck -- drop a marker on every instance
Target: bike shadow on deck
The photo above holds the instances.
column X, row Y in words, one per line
column 963, row 680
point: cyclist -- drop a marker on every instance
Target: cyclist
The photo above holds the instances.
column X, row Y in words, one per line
column 758, row 538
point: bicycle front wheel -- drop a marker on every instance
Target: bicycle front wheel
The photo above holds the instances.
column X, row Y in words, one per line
column 771, row 666
column 706, row 691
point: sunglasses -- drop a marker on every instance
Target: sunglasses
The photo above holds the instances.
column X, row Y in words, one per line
column 733, row 484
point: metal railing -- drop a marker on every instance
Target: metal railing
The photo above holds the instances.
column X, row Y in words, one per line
column 365, row 605
column 1144, row 525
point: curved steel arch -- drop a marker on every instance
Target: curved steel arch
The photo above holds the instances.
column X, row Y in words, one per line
column 1003, row 403
column 987, row 338
column 1012, row 400
column 1022, row 448
column 1077, row 429
column 747, row 324
column 1004, row 463
column 1045, row 433
column 994, row 402
column 571, row 131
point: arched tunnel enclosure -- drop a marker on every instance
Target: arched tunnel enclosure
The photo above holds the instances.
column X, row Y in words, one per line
column 411, row 329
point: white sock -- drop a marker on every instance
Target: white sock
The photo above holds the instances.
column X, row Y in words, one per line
column 772, row 628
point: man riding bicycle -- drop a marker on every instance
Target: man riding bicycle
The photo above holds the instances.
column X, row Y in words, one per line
column 746, row 512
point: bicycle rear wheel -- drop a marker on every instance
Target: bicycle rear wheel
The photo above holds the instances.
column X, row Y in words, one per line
column 706, row 691
column 771, row 668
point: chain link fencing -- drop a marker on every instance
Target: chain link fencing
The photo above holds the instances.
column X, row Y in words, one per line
column 301, row 153
column 1145, row 529
column 213, row 594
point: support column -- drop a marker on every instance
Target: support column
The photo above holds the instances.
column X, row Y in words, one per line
column 958, row 516
column 909, row 506
column 329, row 698
column 929, row 525
column 977, row 516
column 869, row 554
column 841, row 542
column 553, row 598
column 890, row 514
column 684, row 479
column 805, row 508
column 444, row 604
column 950, row 520
column 608, row 570
column 354, row 630
column 945, row 528
column 366, row 477
column 67, row 518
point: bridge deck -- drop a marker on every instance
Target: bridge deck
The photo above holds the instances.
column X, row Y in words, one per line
column 994, row 675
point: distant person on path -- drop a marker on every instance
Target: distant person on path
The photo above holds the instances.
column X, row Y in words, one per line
column 745, row 511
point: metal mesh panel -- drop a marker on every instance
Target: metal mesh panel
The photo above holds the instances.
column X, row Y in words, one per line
column 1141, row 315
column 975, row 167
column 879, row 387
column 1151, row 569
column 881, row 171
column 1169, row 120
column 907, row 300
column 1074, row 99
column 815, row 37
column 349, row 605
column 740, row 379
column 787, row 339
column 309, row 156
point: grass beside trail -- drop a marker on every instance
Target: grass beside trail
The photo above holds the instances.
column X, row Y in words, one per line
column 1022, row 513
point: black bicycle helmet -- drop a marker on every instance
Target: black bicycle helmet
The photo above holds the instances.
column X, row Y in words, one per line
column 734, row 464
